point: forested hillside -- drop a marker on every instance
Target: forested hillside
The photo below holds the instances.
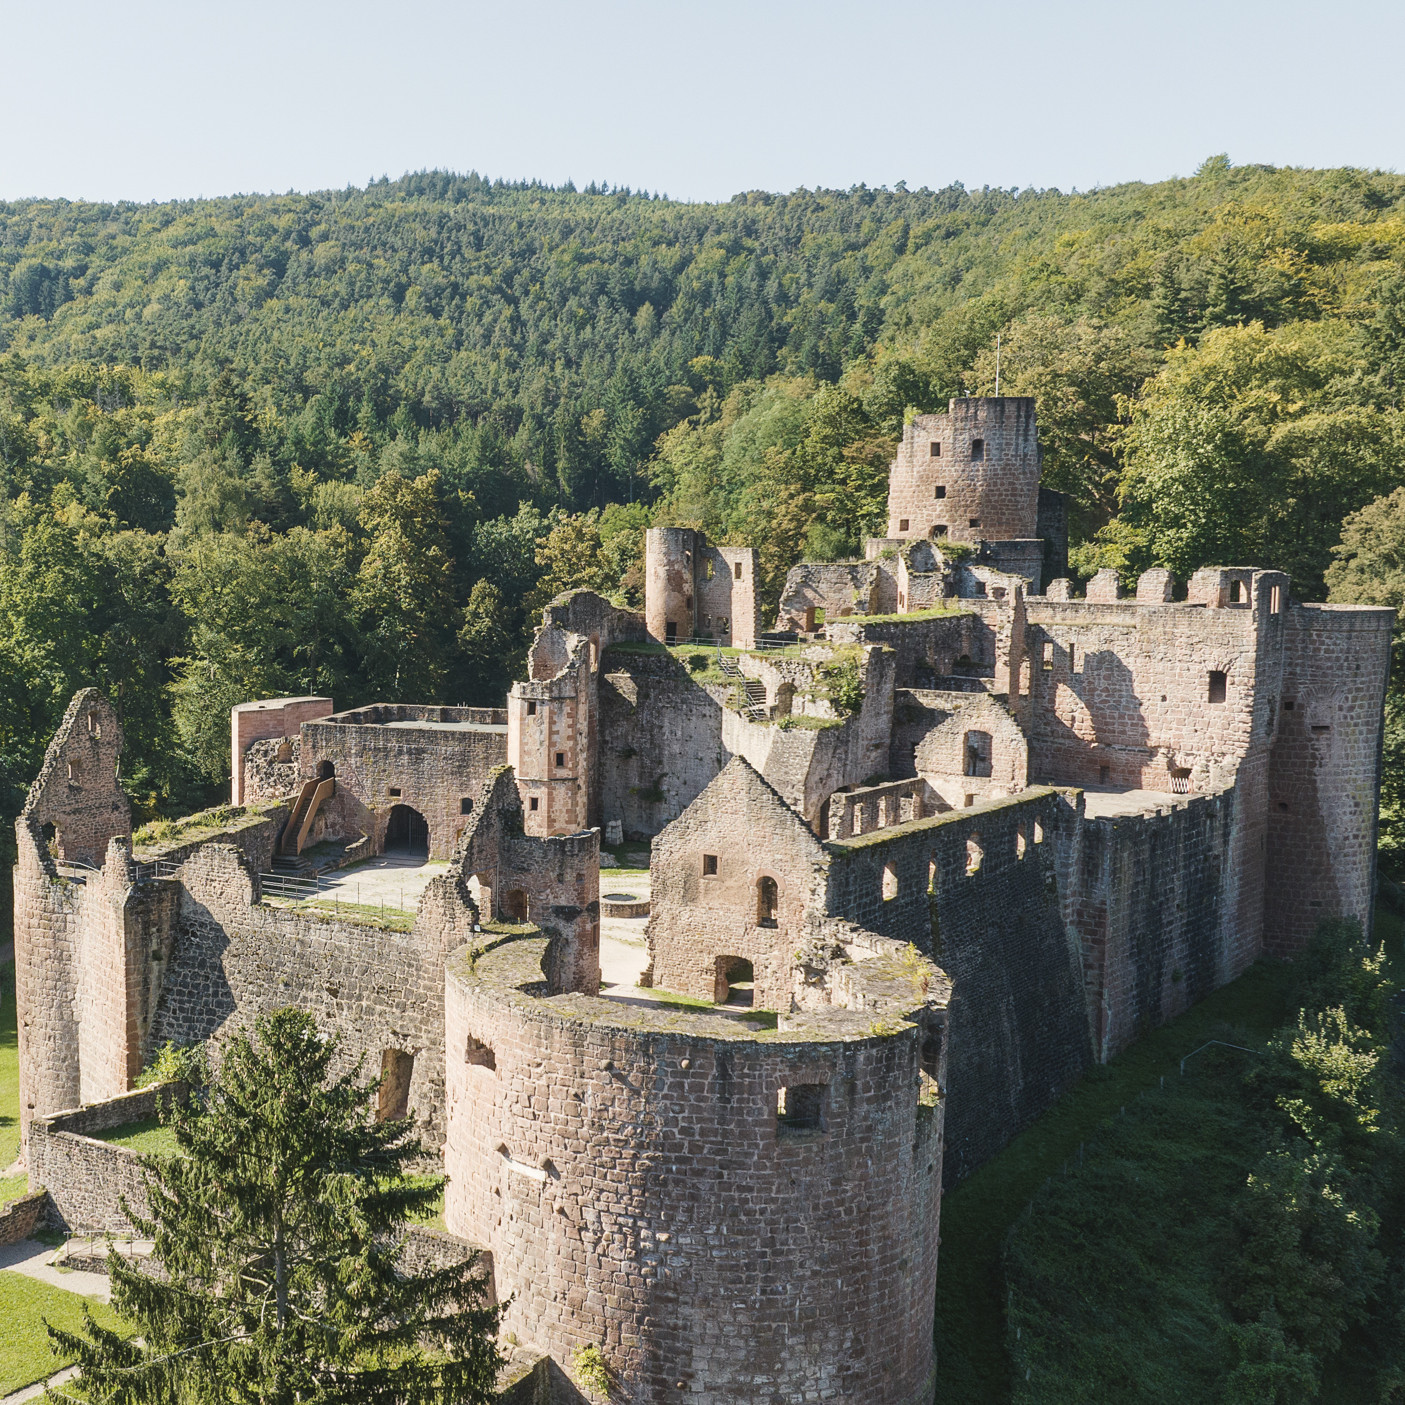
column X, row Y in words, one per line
column 347, row 442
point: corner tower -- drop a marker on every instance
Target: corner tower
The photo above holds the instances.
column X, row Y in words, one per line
column 969, row 475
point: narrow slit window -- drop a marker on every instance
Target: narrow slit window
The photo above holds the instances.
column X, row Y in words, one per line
column 890, row 883
column 1236, row 592
column 1047, row 656
column 1218, row 686
column 1275, row 599
column 977, row 450
column 737, row 570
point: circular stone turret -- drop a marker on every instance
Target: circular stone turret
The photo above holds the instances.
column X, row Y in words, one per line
column 729, row 1211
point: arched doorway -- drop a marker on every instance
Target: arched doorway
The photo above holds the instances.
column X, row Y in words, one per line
column 736, row 981
column 406, row 833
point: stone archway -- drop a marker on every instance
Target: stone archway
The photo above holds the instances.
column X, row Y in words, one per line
column 406, row 832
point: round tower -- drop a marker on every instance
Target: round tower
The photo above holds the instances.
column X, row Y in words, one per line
column 670, row 556
column 969, row 475
column 726, row 1211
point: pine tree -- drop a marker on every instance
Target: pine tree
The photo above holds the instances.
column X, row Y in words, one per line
column 277, row 1231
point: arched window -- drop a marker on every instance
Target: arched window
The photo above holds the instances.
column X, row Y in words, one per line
column 767, row 902
column 890, row 883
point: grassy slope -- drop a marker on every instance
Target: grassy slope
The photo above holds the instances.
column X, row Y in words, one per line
column 24, row 1344
column 976, row 1216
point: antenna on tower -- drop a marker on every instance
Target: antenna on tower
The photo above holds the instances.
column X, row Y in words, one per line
column 997, row 363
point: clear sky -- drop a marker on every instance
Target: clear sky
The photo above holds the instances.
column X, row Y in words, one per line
column 153, row 99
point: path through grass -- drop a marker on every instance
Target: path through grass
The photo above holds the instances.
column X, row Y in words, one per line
column 10, row 1186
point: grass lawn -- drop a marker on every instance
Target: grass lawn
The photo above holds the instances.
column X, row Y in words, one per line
column 10, row 1186
column 24, row 1344
column 148, row 1137
column 972, row 1361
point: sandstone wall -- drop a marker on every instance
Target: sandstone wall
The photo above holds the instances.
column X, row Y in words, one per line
column 234, row 959
column 660, row 740
column 430, row 759
column 1325, row 771
column 1019, row 1028
column 747, row 1268
column 940, row 480
column 706, row 872
column 270, row 719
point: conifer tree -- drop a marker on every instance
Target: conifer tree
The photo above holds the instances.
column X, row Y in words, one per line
column 277, row 1231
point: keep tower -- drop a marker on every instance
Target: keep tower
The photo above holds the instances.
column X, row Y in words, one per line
column 969, row 475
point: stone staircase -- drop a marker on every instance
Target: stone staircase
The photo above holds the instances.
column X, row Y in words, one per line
column 754, row 708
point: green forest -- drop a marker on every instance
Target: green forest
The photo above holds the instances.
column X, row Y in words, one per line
column 349, row 442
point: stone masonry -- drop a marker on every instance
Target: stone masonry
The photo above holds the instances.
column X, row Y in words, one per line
column 951, row 835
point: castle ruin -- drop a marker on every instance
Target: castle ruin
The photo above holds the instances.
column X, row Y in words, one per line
column 920, row 854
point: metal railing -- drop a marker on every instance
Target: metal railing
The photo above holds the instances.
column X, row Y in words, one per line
column 74, row 870
column 293, row 887
column 161, row 868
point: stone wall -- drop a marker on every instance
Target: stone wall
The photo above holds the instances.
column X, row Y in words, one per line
column 706, row 874
column 24, row 1217
column 87, row 1179
column 430, row 759
column 235, row 959
column 272, row 769
column 75, row 800
column 1019, row 1028
column 976, row 751
column 746, row 1268
column 269, row 719
column 1324, row 775
column 940, row 480
column 660, row 740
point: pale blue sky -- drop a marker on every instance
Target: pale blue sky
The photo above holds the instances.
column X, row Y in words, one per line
column 153, row 99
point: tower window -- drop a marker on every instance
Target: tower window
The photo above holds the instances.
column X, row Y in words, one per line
column 532, row 803
column 560, row 758
column 1216, row 693
column 939, row 491
column 974, row 522
column 531, row 709
column 936, row 450
column 737, row 570
column 800, row 1108
column 902, row 524
column 709, row 865
column 670, row 632
column 939, row 530
column 466, row 806
column 977, row 449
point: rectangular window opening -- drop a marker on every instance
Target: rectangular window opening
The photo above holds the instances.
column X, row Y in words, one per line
column 1275, row 599
column 977, row 449
column 560, row 758
column 393, row 1096
column 973, row 521
column 801, row 1107
column 902, row 524
column 531, row 709
column 939, row 491
column 1047, row 656
column 670, row 632
column 936, row 450
column 939, row 530
column 1104, row 774
column 394, row 792
column 737, row 570
column 1236, row 592
column 532, row 803
column 1218, row 686
column 466, row 805
column 709, row 865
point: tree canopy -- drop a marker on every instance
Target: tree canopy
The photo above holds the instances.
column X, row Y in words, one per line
column 277, row 1231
